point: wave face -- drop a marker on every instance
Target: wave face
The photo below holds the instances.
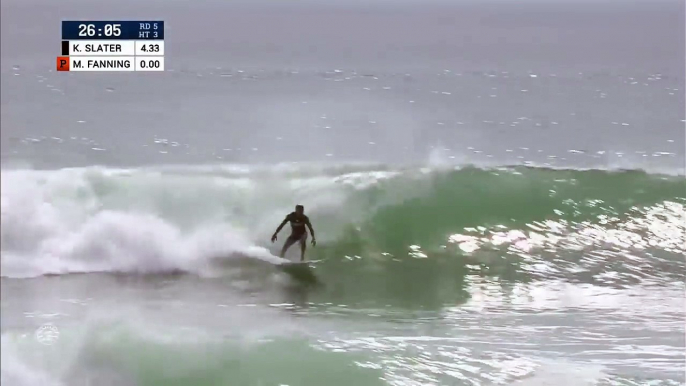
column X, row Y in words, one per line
column 608, row 227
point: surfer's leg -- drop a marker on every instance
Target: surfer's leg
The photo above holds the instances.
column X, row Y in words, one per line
column 289, row 241
column 303, row 246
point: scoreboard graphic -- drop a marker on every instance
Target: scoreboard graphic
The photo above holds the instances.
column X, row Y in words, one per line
column 112, row 46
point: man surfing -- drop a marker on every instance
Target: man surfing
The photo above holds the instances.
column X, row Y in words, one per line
column 298, row 222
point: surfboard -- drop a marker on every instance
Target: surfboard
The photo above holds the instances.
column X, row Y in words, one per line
column 301, row 270
column 306, row 262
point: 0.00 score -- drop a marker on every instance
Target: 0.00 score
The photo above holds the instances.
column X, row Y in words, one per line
column 150, row 63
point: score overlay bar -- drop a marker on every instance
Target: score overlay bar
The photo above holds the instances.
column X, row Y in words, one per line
column 112, row 46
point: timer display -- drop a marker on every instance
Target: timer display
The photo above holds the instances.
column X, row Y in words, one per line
column 120, row 30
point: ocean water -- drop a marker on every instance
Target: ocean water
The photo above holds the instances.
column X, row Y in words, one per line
column 497, row 189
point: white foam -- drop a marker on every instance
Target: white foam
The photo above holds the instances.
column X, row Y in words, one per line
column 17, row 372
column 63, row 221
column 147, row 221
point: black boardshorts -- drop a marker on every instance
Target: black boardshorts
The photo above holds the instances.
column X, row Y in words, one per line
column 294, row 238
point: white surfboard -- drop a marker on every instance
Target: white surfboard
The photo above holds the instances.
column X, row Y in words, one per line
column 302, row 271
column 306, row 262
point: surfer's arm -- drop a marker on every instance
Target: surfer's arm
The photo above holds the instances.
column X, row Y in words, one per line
column 279, row 228
column 281, row 225
column 309, row 226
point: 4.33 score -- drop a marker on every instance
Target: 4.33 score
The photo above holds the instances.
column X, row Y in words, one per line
column 151, row 48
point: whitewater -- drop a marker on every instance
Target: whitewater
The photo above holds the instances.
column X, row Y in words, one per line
column 156, row 220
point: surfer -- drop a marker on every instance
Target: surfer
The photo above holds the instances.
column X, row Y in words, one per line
column 298, row 222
